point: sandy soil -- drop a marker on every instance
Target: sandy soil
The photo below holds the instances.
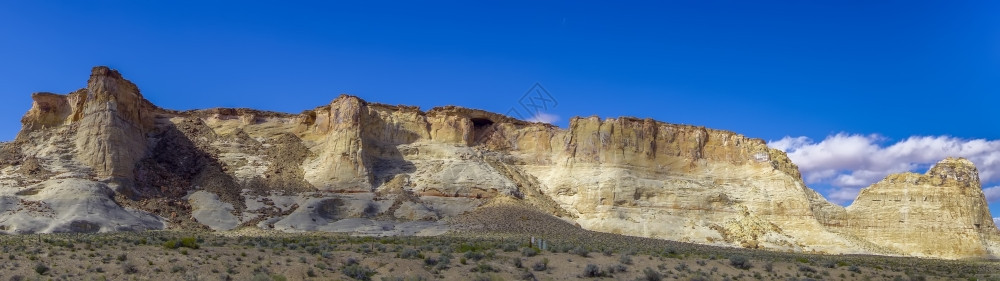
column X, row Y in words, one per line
column 247, row 256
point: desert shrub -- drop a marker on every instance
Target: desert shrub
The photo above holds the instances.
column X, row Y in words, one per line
column 701, row 262
column 313, row 250
column 625, row 259
column 484, row 268
column 474, row 255
column 701, row 278
column 650, row 274
column 769, row 267
column 669, row 252
column 41, row 269
column 807, row 269
column 591, row 270
column 681, row 267
column 189, row 242
column 444, row 260
column 483, row 277
column 612, row 269
column 541, row 265
column 580, row 251
column 740, row 262
column 409, row 278
column 854, row 269
column 517, row 262
column 527, row 275
column 129, row 268
column 371, row 209
column 410, row 253
column 358, row 272
column 830, row 264
column 122, row 257
column 529, row 252
column 430, row 261
column 468, row 247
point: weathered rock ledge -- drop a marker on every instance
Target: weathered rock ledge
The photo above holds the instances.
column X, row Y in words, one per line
column 103, row 158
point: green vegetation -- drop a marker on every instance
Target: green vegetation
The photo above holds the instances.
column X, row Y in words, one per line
column 322, row 256
column 186, row 242
column 358, row 272
column 651, row 275
column 592, row 270
column 580, row 251
column 41, row 269
column 740, row 262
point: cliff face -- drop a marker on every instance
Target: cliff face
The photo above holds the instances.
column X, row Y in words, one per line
column 648, row 178
column 368, row 168
column 942, row 213
column 107, row 120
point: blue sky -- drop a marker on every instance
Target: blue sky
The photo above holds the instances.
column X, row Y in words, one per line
column 815, row 74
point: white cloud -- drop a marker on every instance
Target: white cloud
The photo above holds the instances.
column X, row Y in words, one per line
column 849, row 162
column 789, row 143
column 992, row 194
column 544, row 118
column 844, row 194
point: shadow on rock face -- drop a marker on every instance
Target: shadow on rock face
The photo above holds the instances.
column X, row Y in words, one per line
column 328, row 209
column 180, row 160
column 78, row 226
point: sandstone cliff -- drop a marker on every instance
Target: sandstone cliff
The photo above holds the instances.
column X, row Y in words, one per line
column 942, row 213
column 106, row 121
column 369, row 168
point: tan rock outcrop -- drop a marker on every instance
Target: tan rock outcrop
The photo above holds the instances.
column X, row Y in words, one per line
column 341, row 164
column 47, row 110
column 112, row 124
column 382, row 163
column 109, row 119
column 942, row 213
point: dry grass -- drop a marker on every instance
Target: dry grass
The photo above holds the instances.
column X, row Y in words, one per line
column 495, row 251
column 280, row 256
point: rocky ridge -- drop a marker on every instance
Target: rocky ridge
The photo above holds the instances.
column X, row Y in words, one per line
column 370, row 168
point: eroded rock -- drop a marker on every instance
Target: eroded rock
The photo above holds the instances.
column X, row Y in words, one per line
column 375, row 169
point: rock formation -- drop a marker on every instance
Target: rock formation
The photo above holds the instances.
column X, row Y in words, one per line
column 369, row 168
column 107, row 122
column 942, row 213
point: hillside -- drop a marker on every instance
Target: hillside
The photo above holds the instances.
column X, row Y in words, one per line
column 104, row 159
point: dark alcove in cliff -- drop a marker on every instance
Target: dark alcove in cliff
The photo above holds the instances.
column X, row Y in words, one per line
column 481, row 128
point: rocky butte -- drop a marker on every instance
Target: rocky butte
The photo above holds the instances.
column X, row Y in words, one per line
column 103, row 159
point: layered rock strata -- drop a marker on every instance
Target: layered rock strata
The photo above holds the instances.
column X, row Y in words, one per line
column 942, row 213
column 369, row 168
